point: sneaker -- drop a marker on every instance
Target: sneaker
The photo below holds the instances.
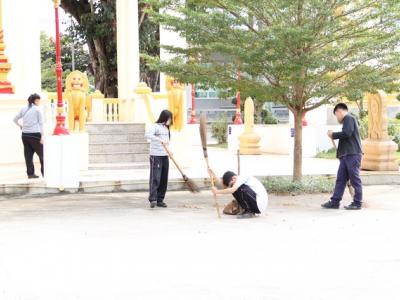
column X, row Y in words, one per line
column 33, row 176
column 330, row 204
column 353, row 206
column 246, row 215
column 161, row 204
column 153, row 204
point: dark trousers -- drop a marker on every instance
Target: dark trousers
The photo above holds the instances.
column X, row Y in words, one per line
column 247, row 199
column 32, row 145
column 349, row 169
column 159, row 167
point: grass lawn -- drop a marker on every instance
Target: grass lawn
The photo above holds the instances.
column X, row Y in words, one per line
column 224, row 145
column 331, row 154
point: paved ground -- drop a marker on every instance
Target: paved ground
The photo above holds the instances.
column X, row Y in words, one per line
column 111, row 246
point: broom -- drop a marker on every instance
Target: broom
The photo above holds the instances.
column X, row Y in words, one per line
column 203, row 136
column 191, row 186
column 349, row 186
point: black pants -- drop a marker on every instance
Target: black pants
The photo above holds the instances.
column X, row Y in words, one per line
column 247, row 199
column 32, row 145
column 349, row 169
column 159, row 167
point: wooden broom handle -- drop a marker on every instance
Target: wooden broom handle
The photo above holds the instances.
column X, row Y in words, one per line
column 333, row 143
column 172, row 158
column 212, row 184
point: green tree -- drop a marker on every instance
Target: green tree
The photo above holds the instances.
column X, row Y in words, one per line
column 48, row 59
column 300, row 53
column 95, row 24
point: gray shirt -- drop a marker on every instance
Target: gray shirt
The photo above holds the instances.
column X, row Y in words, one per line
column 32, row 119
column 157, row 133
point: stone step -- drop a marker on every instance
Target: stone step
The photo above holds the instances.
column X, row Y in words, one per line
column 120, row 157
column 136, row 147
column 120, row 166
column 127, row 137
column 115, row 128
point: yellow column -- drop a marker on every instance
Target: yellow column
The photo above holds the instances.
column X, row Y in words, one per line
column 5, row 67
column 249, row 140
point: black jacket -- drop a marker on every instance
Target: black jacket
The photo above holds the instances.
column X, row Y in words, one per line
column 349, row 137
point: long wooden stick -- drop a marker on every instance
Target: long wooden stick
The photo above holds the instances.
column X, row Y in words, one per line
column 212, row 185
column 238, row 161
column 189, row 183
column 203, row 137
column 173, row 160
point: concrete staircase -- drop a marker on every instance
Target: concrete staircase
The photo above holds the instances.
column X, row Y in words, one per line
column 117, row 146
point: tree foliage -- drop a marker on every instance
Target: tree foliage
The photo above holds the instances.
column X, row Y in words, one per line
column 48, row 59
column 301, row 53
column 95, row 23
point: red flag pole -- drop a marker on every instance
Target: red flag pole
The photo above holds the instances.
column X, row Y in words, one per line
column 193, row 119
column 60, row 118
column 238, row 118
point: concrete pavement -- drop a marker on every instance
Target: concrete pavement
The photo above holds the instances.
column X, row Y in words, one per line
column 112, row 246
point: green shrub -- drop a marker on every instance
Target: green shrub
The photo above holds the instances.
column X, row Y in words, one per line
column 268, row 118
column 394, row 133
column 309, row 185
column 363, row 127
column 398, row 116
column 219, row 130
column 330, row 154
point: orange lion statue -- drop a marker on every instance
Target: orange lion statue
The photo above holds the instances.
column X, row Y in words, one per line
column 76, row 91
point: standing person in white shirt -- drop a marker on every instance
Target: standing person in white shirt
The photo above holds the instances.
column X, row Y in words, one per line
column 32, row 133
column 248, row 191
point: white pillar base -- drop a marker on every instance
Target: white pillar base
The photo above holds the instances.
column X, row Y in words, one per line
column 61, row 157
column 234, row 132
column 83, row 149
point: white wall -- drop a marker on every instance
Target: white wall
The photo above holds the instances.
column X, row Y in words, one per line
column 22, row 39
column 277, row 139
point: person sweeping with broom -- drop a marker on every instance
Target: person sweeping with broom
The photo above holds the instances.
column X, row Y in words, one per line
column 248, row 191
column 349, row 153
column 159, row 135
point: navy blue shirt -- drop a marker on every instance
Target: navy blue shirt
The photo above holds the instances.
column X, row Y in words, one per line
column 349, row 137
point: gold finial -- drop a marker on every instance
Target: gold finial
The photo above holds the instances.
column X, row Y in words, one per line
column 56, row 3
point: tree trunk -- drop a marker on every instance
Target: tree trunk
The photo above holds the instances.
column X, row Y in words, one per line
column 102, row 50
column 258, row 108
column 298, row 149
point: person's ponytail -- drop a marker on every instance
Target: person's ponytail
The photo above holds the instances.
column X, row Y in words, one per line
column 32, row 98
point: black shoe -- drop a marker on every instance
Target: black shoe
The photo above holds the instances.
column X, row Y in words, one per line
column 153, row 204
column 246, row 215
column 161, row 204
column 353, row 206
column 331, row 205
column 33, row 176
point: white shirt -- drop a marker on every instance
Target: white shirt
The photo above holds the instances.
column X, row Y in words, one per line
column 154, row 133
column 258, row 188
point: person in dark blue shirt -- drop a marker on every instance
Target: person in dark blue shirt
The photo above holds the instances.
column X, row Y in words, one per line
column 349, row 152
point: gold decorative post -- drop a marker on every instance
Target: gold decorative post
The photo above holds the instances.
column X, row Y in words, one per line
column 249, row 140
column 5, row 66
column 379, row 149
